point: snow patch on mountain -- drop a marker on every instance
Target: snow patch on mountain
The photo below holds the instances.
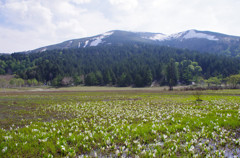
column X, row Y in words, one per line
column 43, row 50
column 194, row 34
column 98, row 39
column 107, row 33
column 175, row 36
column 162, row 37
column 182, row 35
column 158, row 37
column 86, row 43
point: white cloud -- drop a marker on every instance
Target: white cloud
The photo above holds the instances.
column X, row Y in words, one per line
column 26, row 14
column 81, row 1
column 125, row 4
column 14, row 40
column 29, row 24
column 32, row 24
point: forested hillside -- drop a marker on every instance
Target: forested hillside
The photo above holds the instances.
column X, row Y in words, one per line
column 129, row 65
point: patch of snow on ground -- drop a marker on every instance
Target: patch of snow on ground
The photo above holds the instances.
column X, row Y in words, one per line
column 158, row 37
column 43, row 50
column 162, row 37
column 194, row 34
column 86, row 43
column 176, row 35
column 107, row 34
column 98, row 40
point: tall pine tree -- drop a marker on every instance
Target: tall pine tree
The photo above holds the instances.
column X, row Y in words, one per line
column 171, row 74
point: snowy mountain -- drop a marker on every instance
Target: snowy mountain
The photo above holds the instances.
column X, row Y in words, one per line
column 203, row 41
column 184, row 35
column 115, row 37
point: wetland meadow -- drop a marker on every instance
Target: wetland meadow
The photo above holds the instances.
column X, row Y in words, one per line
column 118, row 122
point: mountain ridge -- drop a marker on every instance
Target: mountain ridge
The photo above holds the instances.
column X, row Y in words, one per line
column 203, row 41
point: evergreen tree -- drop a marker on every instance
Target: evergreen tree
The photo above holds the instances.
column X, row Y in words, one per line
column 139, row 81
column 147, row 77
column 56, row 82
column 113, row 77
column 99, row 78
column 171, row 74
column 117, row 65
column 91, row 79
column 107, row 77
column 122, row 80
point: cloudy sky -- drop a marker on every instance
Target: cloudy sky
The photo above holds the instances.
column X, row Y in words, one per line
column 29, row 24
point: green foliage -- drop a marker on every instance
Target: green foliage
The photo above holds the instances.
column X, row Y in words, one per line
column 3, row 83
column 147, row 77
column 197, row 94
column 56, row 82
column 99, row 78
column 125, row 80
column 139, row 81
column 32, row 82
column 107, row 79
column 126, row 65
column 77, row 80
column 17, row 82
column 189, row 71
column 171, row 74
column 213, row 81
column 91, row 79
column 234, row 80
column 3, row 66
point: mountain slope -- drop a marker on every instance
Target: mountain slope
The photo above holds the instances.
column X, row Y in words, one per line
column 115, row 37
column 203, row 41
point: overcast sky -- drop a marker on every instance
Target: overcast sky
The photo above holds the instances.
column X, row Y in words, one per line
column 29, row 24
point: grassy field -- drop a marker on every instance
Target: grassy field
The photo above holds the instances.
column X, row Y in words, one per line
column 114, row 122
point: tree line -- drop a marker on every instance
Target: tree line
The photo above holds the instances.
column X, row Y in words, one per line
column 129, row 65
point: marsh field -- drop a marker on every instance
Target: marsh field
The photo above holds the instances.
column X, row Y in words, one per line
column 119, row 122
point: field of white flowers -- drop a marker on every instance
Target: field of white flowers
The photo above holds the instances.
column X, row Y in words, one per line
column 126, row 124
